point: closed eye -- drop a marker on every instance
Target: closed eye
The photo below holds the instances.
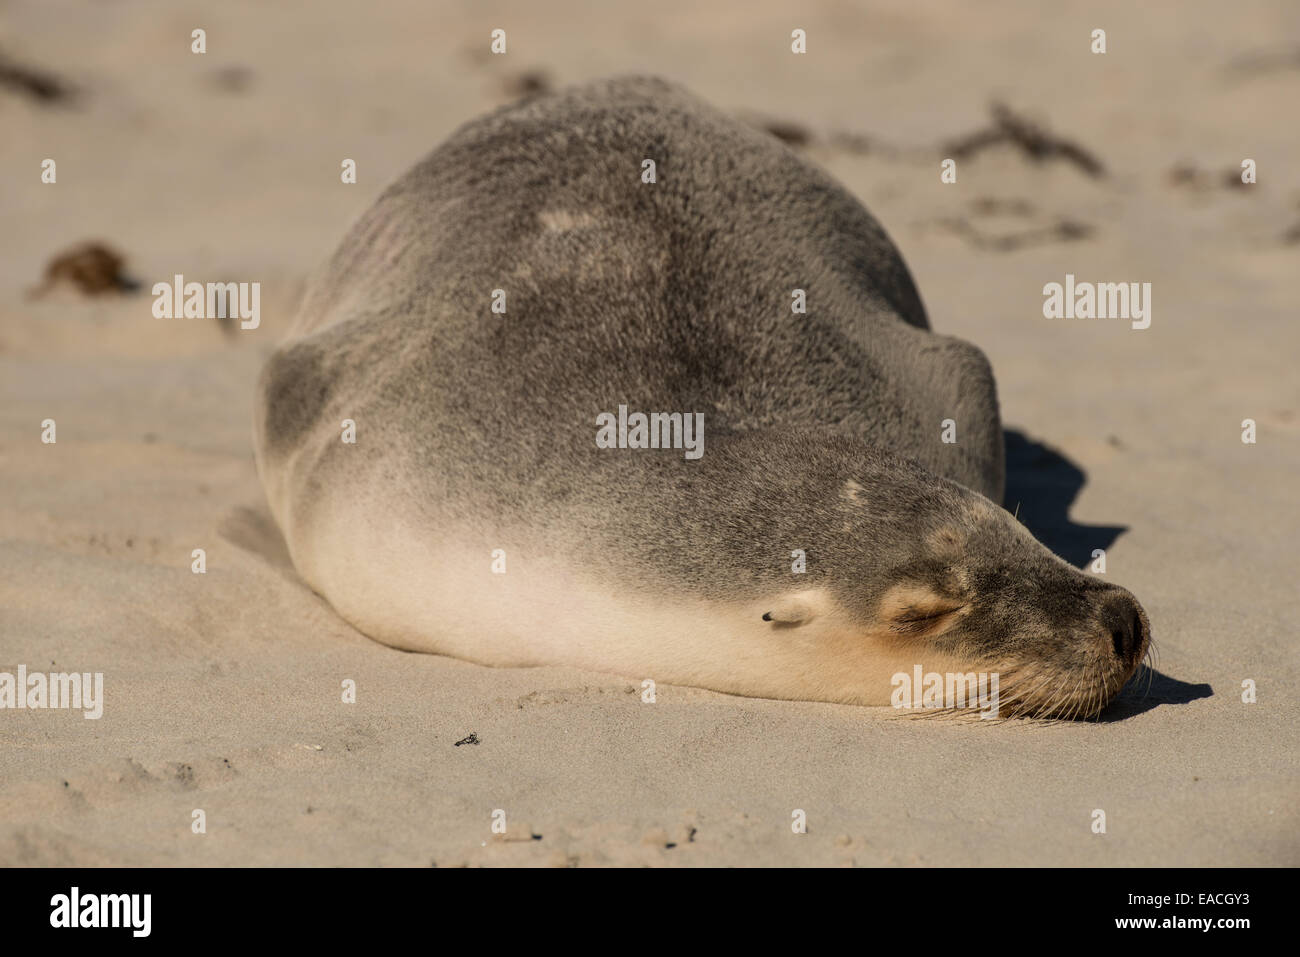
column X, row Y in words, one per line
column 916, row 609
column 925, row 614
column 918, row 621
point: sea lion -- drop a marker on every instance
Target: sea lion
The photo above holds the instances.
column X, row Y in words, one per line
column 482, row 323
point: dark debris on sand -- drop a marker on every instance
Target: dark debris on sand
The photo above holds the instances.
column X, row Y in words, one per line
column 1031, row 139
column 37, row 84
column 93, row 268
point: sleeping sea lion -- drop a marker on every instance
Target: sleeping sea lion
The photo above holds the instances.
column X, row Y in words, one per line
column 612, row 380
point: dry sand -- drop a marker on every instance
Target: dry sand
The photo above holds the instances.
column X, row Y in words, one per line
column 223, row 689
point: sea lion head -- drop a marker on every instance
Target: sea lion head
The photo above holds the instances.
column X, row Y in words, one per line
column 924, row 572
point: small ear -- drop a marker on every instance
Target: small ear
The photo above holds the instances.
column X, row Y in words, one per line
column 790, row 611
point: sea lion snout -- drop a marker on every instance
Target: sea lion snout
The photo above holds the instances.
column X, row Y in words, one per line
column 1086, row 656
column 1126, row 625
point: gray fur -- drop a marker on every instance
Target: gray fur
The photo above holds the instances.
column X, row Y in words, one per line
column 676, row 297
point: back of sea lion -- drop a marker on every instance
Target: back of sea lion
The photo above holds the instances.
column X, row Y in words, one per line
column 572, row 262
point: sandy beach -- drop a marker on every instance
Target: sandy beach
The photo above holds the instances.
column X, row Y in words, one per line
column 222, row 690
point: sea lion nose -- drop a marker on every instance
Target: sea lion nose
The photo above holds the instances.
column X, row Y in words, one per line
column 1122, row 616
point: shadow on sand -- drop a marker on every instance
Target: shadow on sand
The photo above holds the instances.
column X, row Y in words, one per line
column 1042, row 484
column 1149, row 689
